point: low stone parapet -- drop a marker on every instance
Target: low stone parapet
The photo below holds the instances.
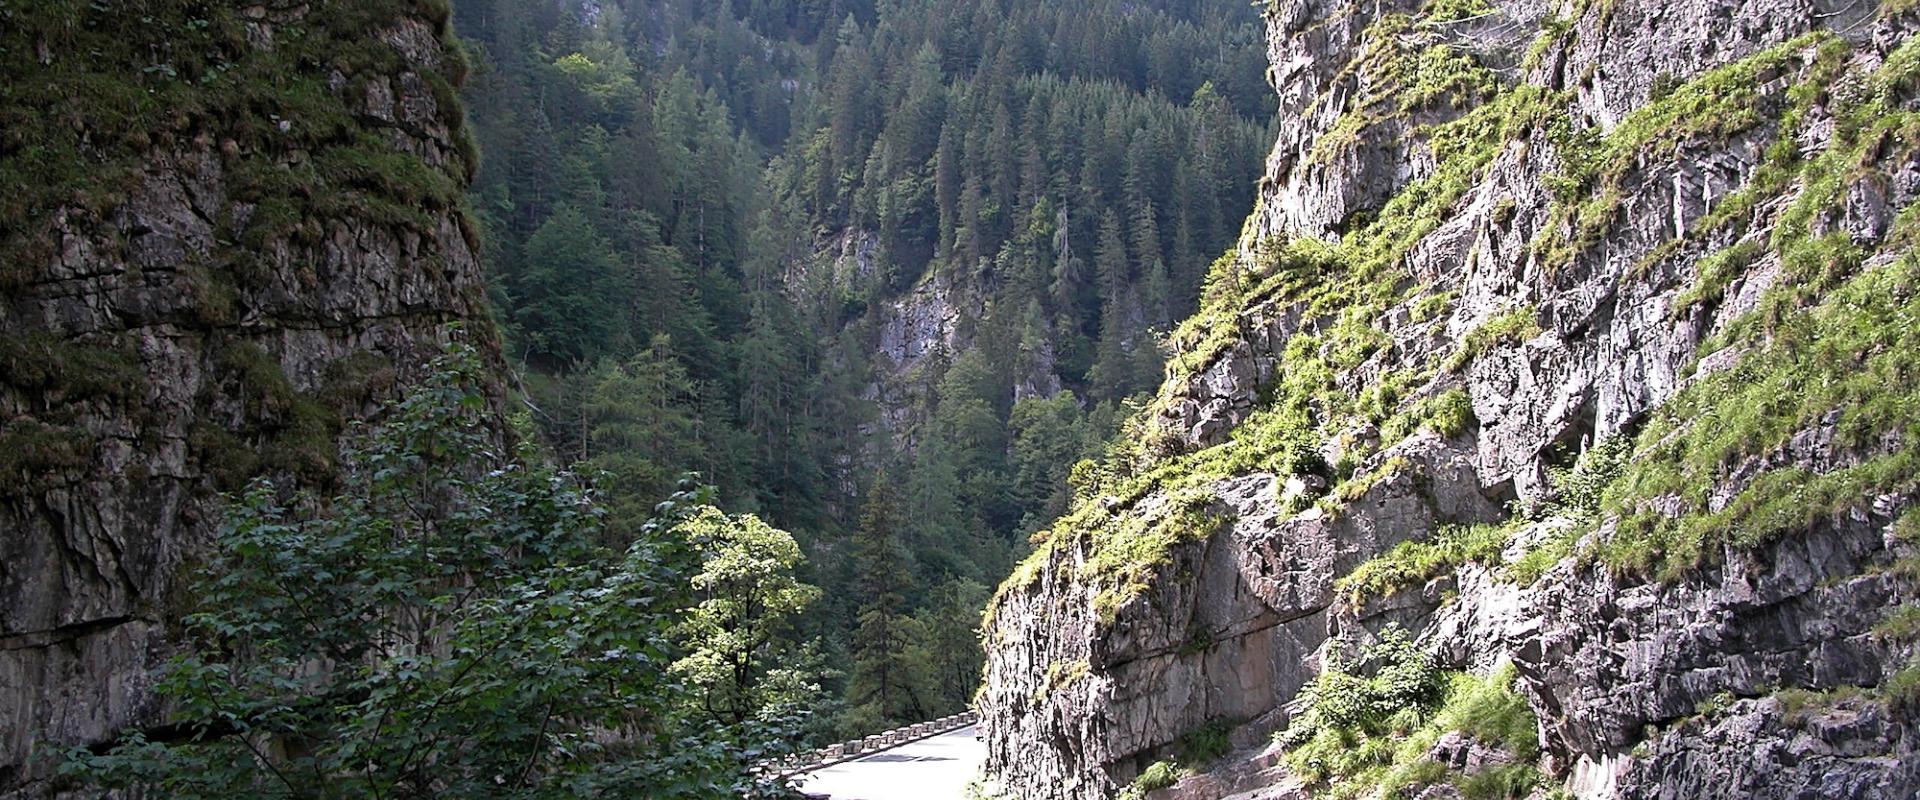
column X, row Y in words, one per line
column 868, row 745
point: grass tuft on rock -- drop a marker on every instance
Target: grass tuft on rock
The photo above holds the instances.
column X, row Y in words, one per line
column 1376, row 736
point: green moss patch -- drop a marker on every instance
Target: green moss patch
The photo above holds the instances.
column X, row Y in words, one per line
column 90, row 89
column 31, row 452
column 280, row 429
column 1413, row 563
column 65, row 370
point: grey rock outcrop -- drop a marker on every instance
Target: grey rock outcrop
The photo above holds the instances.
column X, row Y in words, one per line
column 1843, row 747
column 184, row 338
column 1580, row 279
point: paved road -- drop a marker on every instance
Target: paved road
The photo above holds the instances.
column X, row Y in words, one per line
column 934, row 768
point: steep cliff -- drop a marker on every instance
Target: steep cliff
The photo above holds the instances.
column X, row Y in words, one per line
column 230, row 229
column 1575, row 339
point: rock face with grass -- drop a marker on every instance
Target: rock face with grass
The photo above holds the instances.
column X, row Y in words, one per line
column 231, row 229
column 1573, row 344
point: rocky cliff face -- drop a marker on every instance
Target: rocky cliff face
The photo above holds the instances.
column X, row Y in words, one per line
column 1573, row 339
column 231, row 228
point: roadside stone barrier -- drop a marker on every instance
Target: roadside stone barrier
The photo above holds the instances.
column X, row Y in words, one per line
column 868, row 745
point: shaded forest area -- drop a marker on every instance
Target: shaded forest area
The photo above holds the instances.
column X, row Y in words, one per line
column 666, row 189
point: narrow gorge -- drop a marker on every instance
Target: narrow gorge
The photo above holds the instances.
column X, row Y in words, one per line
column 555, row 399
column 1550, row 432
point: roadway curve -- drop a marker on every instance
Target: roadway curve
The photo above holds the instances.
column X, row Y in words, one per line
column 934, row 768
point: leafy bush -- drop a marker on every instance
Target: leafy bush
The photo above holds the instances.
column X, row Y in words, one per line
column 1404, row 678
column 1578, row 490
column 447, row 626
column 1158, row 775
column 1903, row 689
column 1371, row 737
column 1205, row 743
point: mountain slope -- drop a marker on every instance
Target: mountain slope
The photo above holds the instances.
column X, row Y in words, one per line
column 1571, row 339
column 230, row 230
column 814, row 248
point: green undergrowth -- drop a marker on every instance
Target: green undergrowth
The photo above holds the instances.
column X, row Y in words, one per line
column 1358, row 278
column 1128, row 549
column 1506, row 329
column 1902, row 689
column 1158, row 775
column 32, row 452
column 1404, row 72
column 1830, row 343
column 1192, row 749
column 67, row 371
column 279, row 430
column 1900, row 692
column 1800, row 705
column 1716, row 272
column 40, row 446
column 1827, row 337
column 1902, row 625
column 1412, row 563
column 1576, row 493
column 1444, row 11
column 90, row 90
column 1781, row 164
column 1060, row 675
column 1715, row 105
column 1433, row 305
column 1372, row 736
column 1851, row 359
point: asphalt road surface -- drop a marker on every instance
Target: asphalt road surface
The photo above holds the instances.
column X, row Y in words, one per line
column 934, row 768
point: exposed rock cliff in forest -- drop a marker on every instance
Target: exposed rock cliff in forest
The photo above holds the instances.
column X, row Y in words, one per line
column 230, row 229
column 1553, row 426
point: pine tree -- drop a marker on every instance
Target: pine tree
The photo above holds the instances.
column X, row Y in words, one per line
column 565, row 302
column 1049, row 435
column 1024, row 155
column 955, row 653
column 938, row 526
column 640, row 427
column 887, row 683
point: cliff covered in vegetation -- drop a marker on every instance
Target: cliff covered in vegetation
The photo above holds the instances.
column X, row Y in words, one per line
column 1551, row 429
column 230, row 230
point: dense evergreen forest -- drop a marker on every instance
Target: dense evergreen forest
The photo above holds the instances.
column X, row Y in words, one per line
column 701, row 218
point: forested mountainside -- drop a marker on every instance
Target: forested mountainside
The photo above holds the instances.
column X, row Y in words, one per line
column 1550, row 432
column 228, row 231
column 881, row 272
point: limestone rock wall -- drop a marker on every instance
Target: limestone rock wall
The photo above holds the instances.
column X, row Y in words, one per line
column 255, row 257
column 1491, row 236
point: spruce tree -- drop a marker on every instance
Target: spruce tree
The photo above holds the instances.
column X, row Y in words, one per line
column 887, row 682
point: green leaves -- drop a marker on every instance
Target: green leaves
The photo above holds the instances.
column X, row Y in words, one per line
column 746, row 595
column 1404, row 677
column 449, row 625
column 1373, row 736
